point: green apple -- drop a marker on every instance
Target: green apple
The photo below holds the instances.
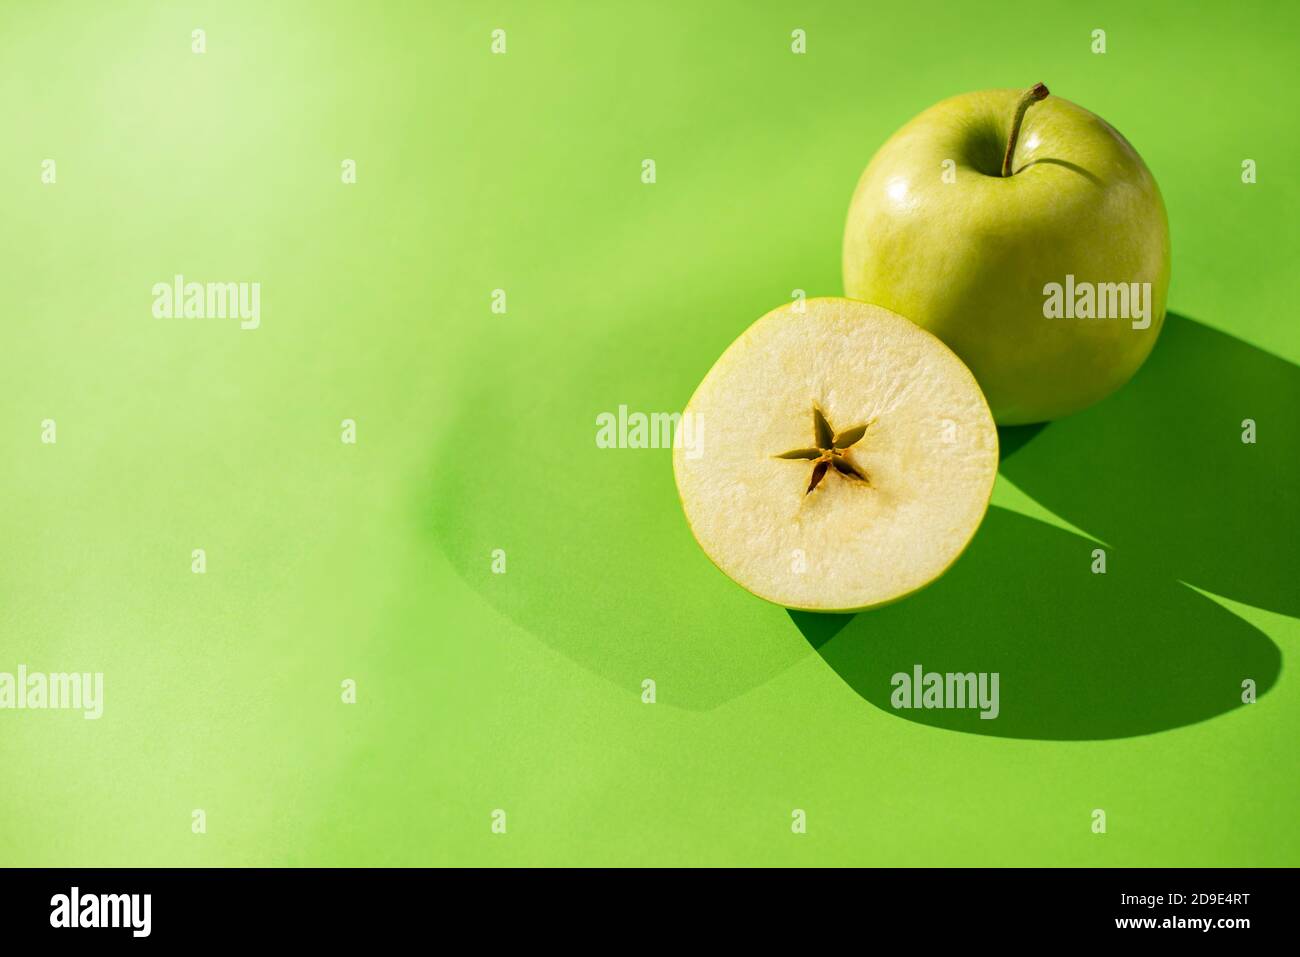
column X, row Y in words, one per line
column 969, row 224
column 841, row 457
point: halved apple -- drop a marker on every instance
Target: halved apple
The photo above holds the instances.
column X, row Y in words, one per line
column 841, row 457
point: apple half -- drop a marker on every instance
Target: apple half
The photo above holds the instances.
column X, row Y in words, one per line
column 839, row 457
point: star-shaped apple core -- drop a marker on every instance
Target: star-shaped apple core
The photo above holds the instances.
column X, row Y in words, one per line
column 828, row 452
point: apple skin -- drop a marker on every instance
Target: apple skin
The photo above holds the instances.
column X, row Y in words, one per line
column 968, row 259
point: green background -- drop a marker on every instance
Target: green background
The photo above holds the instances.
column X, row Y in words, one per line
column 476, row 431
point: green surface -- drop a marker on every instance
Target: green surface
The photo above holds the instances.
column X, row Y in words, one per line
column 372, row 561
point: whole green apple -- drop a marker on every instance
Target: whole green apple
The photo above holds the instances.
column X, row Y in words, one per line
column 1033, row 241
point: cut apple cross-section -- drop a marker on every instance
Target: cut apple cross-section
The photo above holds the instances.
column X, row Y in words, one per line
column 817, row 519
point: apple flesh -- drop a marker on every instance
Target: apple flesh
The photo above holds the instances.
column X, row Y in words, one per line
column 910, row 452
column 935, row 232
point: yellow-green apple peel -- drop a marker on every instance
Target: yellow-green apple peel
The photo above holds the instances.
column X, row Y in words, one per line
column 1027, row 234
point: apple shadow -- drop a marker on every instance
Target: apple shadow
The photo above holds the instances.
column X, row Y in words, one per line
column 819, row 627
column 1079, row 655
column 1161, row 474
column 595, row 559
column 1012, row 438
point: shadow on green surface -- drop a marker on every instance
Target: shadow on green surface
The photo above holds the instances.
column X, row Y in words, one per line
column 600, row 564
column 1011, row 438
column 1160, row 472
column 819, row 628
column 604, row 570
column 1079, row 656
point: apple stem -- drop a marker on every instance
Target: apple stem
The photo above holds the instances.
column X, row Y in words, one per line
column 1031, row 96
